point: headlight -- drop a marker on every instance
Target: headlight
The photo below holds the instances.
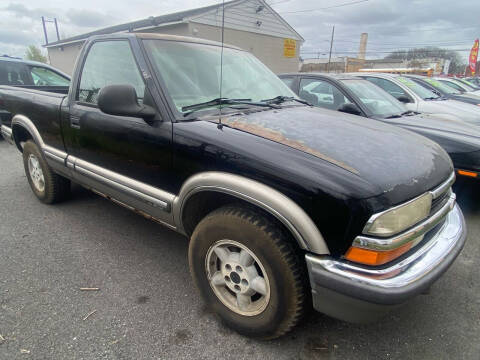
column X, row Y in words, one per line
column 397, row 219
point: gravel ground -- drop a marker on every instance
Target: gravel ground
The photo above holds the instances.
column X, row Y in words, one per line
column 147, row 307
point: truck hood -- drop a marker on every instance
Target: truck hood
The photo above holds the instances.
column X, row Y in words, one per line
column 454, row 136
column 391, row 159
column 456, row 109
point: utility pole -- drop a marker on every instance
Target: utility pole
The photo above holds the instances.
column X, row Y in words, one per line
column 45, row 31
column 44, row 21
column 330, row 54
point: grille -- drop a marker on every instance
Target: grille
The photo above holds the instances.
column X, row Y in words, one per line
column 440, row 201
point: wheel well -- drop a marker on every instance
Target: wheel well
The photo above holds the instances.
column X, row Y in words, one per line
column 20, row 135
column 201, row 204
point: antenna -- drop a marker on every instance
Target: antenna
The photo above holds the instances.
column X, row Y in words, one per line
column 221, row 58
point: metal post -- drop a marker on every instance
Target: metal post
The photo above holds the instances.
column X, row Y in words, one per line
column 56, row 28
column 330, row 54
column 45, row 31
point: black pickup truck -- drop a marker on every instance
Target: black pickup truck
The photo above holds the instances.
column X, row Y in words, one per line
column 282, row 202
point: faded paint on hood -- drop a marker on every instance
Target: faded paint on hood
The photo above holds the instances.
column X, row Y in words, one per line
column 382, row 154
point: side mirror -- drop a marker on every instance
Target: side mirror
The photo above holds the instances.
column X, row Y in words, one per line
column 121, row 100
column 404, row 99
column 350, row 108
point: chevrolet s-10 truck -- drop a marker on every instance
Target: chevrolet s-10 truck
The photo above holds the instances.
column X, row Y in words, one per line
column 286, row 205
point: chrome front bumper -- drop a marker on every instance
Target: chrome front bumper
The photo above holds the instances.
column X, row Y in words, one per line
column 6, row 133
column 359, row 293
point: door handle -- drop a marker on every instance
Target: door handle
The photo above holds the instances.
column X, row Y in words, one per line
column 75, row 121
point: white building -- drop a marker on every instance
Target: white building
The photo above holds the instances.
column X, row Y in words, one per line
column 249, row 24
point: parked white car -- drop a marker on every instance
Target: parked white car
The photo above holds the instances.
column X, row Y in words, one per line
column 418, row 98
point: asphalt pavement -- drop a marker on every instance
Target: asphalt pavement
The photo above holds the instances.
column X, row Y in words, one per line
column 147, row 307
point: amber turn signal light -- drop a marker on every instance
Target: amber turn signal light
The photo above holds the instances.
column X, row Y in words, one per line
column 467, row 173
column 372, row 257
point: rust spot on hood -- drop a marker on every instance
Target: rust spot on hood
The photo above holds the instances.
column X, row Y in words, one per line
column 278, row 137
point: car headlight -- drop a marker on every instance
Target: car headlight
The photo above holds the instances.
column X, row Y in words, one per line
column 397, row 219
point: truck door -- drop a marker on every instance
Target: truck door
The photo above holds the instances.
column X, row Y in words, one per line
column 123, row 157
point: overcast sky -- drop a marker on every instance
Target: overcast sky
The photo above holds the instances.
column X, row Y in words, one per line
column 391, row 24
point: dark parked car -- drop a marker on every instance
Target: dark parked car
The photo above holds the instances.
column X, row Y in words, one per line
column 281, row 201
column 360, row 97
column 29, row 74
column 445, row 90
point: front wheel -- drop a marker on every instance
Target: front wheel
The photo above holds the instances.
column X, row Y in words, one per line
column 48, row 186
column 248, row 271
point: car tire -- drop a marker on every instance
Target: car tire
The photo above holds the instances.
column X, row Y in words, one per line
column 231, row 250
column 48, row 186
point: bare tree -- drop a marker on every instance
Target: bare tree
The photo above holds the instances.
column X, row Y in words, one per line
column 413, row 55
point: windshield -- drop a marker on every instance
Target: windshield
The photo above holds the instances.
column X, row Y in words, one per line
column 469, row 83
column 378, row 101
column 442, row 87
column 191, row 73
column 463, row 85
column 424, row 93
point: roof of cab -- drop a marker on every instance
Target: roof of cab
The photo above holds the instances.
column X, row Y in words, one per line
column 32, row 63
column 28, row 62
column 165, row 37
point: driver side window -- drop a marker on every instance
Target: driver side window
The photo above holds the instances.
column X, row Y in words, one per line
column 322, row 93
column 388, row 86
column 109, row 63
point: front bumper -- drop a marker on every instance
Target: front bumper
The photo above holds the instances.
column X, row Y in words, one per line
column 358, row 293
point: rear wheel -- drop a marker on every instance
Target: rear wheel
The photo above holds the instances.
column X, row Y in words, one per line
column 48, row 186
column 248, row 271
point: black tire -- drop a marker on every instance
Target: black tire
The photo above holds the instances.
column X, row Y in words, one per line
column 56, row 188
column 276, row 252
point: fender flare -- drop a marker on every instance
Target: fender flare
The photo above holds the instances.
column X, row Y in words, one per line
column 29, row 126
column 274, row 202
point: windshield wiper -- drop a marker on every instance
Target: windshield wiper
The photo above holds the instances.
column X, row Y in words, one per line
column 393, row 116
column 405, row 113
column 281, row 99
column 223, row 101
column 431, row 98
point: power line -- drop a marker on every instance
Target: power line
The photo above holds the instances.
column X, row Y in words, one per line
column 325, row 8
column 379, row 52
column 416, row 31
column 279, row 2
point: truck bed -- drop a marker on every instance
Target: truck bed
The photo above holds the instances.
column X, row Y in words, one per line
column 42, row 106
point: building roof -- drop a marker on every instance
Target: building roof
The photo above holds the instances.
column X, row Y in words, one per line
column 154, row 21
column 139, row 24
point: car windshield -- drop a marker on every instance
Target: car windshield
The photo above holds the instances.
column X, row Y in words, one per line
column 424, row 93
column 379, row 102
column 442, row 87
column 191, row 73
column 463, row 85
column 466, row 84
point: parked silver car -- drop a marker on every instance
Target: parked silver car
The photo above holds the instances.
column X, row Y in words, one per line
column 418, row 98
column 459, row 85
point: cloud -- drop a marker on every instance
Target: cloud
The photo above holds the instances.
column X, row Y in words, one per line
column 391, row 24
column 20, row 10
column 89, row 18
